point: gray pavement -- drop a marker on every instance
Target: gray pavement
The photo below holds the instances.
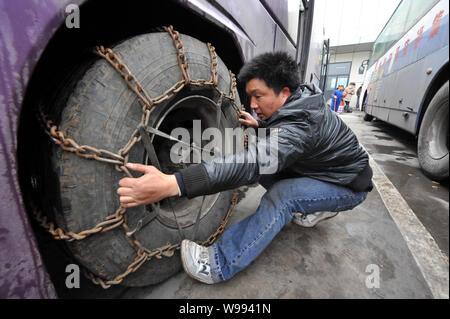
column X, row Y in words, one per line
column 395, row 152
column 339, row 258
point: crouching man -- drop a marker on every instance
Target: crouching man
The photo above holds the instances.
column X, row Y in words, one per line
column 321, row 170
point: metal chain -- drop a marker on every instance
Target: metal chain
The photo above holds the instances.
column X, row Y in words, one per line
column 123, row 70
column 110, row 222
column 120, row 159
column 182, row 61
column 167, row 251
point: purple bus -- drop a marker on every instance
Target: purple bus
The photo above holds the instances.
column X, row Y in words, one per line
column 85, row 85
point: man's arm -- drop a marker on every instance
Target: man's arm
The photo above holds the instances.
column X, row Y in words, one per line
column 267, row 156
column 220, row 174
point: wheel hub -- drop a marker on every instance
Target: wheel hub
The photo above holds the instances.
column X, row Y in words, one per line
column 181, row 115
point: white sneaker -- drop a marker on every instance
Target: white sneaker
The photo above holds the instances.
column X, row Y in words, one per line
column 311, row 220
column 195, row 260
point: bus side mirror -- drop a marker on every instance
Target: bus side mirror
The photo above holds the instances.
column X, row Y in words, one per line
column 363, row 66
column 361, row 69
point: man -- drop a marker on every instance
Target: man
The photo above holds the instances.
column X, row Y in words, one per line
column 348, row 94
column 321, row 170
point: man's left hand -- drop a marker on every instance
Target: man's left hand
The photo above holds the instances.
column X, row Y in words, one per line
column 248, row 119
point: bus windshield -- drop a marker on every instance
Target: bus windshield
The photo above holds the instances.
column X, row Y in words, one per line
column 405, row 16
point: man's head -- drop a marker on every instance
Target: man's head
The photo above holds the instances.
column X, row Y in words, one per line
column 341, row 88
column 269, row 80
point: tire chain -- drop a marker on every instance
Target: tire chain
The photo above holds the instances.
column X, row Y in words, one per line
column 121, row 159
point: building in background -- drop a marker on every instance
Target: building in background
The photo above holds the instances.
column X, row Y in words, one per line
column 352, row 26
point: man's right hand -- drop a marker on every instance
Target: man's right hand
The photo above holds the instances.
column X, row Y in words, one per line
column 248, row 119
column 151, row 187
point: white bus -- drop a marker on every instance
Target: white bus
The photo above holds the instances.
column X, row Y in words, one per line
column 407, row 81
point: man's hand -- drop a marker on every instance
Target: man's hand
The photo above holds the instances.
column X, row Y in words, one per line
column 248, row 119
column 152, row 187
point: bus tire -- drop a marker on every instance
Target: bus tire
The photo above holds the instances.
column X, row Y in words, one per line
column 367, row 117
column 433, row 137
column 103, row 112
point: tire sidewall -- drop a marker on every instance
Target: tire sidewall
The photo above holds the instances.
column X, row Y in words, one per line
column 438, row 108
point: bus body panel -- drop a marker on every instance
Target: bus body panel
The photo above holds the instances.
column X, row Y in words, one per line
column 397, row 82
column 26, row 28
column 262, row 33
column 282, row 42
column 316, row 43
column 287, row 14
column 213, row 14
column 436, row 62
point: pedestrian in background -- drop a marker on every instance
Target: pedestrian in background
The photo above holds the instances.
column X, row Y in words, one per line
column 358, row 94
column 348, row 94
column 336, row 98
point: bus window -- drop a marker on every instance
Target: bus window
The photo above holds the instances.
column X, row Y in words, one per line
column 417, row 10
column 392, row 31
column 405, row 16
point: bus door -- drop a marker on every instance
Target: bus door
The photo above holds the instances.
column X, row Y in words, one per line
column 386, row 87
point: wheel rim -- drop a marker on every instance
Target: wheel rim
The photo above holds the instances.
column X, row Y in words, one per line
column 438, row 134
column 181, row 115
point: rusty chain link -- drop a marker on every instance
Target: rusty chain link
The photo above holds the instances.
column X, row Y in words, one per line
column 119, row 160
column 167, row 251
column 109, row 223
column 182, row 62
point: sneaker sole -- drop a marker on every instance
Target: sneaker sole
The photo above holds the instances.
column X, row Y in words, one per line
column 186, row 269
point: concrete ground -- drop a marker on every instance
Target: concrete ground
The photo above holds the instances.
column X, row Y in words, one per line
column 328, row 261
column 395, row 152
column 394, row 245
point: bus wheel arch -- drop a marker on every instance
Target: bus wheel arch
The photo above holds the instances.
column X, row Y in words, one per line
column 438, row 81
column 366, row 117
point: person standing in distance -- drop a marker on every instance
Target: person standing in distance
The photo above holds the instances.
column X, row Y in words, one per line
column 336, row 98
column 348, row 94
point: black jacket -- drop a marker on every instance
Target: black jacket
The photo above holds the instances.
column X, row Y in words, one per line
column 309, row 140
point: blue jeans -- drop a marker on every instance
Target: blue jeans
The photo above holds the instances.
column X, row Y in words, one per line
column 244, row 241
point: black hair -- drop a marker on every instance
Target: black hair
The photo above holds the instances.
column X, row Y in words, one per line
column 352, row 83
column 276, row 69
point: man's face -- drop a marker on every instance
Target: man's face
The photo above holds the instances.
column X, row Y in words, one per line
column 263, row 99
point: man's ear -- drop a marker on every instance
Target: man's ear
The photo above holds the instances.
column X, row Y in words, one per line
column 286, row 92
